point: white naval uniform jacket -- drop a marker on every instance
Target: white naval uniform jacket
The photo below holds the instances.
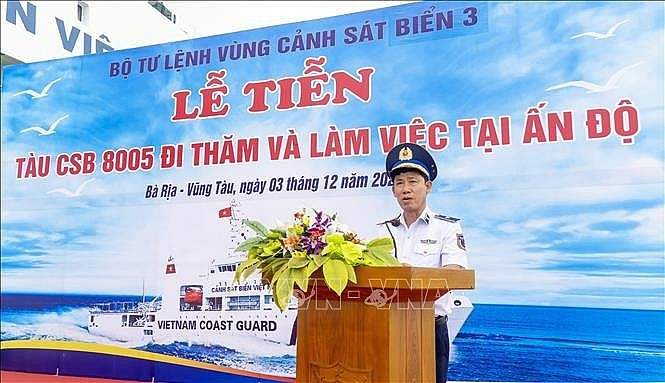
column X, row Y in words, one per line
column 431, row 241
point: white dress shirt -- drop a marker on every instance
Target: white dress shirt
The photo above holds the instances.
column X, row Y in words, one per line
column 431, row 241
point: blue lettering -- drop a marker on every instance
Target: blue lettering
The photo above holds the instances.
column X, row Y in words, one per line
column 29, row 19
column 102, row 47
column 87, row 44
column 67, row 42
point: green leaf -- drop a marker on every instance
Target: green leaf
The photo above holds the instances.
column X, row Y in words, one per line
column 381, row 244
column 381, row 250
column 350, row 251
column 350, row 270
column 337, row 238
column 261, row 254
column 330, row 248
column 264, row 262
column 320, row 259
column 299, row 254
column 295, row 230
column 249, row 271
column 257, row 227
column 267, row 275
column 278, row 267
column 269, row 268
column 336, row 276
column 275, row 234
column 312, row 267
column 386, row 259
column 247, row 263
column 283, row 289
column 272, row 247
column 300, row 277
column 254, row 252
column 278, row 263
column 364, row 259
column 298, row 262
column 250, row 243
column 371, row 259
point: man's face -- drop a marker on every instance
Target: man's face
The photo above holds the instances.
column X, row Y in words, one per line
column 410, row 189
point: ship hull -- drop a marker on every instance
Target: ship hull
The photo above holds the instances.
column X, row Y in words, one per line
column 195, row 327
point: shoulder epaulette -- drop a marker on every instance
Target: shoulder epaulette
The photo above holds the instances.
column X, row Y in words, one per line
column 394, row 221
column 446, row 218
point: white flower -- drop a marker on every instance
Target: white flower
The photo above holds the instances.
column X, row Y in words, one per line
column 340, row 227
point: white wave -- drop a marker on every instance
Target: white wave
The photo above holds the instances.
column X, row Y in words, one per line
column 241, row 343
column 632, row 352
column 453, row 352
column 71, row 325
column 45, row 325
column 254, row 365
column 65, row 325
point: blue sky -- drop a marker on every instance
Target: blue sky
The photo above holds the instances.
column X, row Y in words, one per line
column 568, row 223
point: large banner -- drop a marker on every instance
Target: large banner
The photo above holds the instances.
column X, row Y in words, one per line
column 127, row 176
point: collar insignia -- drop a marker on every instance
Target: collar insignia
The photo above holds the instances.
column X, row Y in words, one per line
column 446, row 218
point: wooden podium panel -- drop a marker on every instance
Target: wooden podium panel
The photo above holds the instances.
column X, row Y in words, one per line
column 380, row 329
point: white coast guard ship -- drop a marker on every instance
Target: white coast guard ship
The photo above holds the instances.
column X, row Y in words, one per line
column 198, row 311
column 201, row 309
column 205, row 308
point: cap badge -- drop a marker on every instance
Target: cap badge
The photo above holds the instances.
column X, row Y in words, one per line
column 405, row 154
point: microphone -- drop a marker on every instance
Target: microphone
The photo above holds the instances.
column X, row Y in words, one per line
column 393, row 222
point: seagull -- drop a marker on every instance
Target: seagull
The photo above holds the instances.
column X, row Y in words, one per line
column 68, row 192
column 41, row 94
column 595, row 88
column 44, row 132
column 599, row 36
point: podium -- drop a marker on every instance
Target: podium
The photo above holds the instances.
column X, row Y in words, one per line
column 380, row 330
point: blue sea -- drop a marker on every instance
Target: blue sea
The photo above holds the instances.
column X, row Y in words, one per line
column 497, row 342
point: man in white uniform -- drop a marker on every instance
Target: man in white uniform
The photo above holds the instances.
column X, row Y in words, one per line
column 421, row 237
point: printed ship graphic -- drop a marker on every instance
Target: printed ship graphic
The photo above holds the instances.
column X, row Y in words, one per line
column 205, row 308
column 199, row 312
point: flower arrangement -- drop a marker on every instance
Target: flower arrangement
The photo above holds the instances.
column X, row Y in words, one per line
column 291, row 254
